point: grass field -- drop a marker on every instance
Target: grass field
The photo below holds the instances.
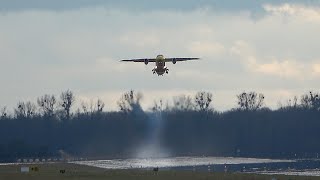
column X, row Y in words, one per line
column 80, row 172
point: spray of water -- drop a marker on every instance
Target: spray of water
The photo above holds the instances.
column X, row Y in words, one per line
column 152, row 147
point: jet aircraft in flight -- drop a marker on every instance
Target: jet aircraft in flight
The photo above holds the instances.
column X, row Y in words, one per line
column 160, row 62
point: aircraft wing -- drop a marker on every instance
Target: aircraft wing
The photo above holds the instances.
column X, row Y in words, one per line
column 139, row 60
column 180, row 59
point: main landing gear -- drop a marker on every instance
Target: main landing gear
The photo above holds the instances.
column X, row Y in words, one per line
column 161, row 71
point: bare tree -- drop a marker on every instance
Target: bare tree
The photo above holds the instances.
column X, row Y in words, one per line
column 91, row 108
column 100, row 105
column 183, row 103
column 203, row 100
column 47, row 104
column 311, row 101
column 85, row 107
column 30, row 109
column 20, row 110
column 293, row 102
column 67, row 99
column 130, row 101
column 3, row 112
column 157, row 106
column 250, row 101
column 290, row 103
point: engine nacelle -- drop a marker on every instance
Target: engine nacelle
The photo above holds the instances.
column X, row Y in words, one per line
column 146, row 61
column 174, row 61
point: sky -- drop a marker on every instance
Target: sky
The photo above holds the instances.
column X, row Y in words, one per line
column 267, row 46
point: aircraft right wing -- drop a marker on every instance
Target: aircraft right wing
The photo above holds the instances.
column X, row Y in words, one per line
column 180, row 59
column 139, row 60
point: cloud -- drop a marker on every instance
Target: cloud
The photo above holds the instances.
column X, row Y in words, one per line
column 207, row 48
column 140, row 39
column 311, row 14
column 42, row 51
column 283, row 68
column 143, row 5
column 316, row 69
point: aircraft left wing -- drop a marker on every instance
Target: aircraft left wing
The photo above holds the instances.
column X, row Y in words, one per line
column 180, row 59
column 139, row 60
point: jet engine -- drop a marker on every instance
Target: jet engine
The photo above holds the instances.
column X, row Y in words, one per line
column 174, row 61
column 146, row 61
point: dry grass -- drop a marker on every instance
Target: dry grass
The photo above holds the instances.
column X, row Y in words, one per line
column 80, row 172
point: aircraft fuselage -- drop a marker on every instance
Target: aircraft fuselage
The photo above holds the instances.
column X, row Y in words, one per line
column 160, row 68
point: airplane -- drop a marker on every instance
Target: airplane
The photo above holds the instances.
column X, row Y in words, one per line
column 160, row 62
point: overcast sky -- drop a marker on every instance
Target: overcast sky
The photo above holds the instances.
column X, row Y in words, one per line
column 48, row 46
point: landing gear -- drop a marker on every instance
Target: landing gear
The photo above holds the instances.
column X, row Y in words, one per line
column 161, row 71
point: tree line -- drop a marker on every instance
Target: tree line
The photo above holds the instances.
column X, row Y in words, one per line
column 48, row 106
column 189, row 126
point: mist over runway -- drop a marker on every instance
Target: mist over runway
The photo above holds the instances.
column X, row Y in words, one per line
column 174, row 162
